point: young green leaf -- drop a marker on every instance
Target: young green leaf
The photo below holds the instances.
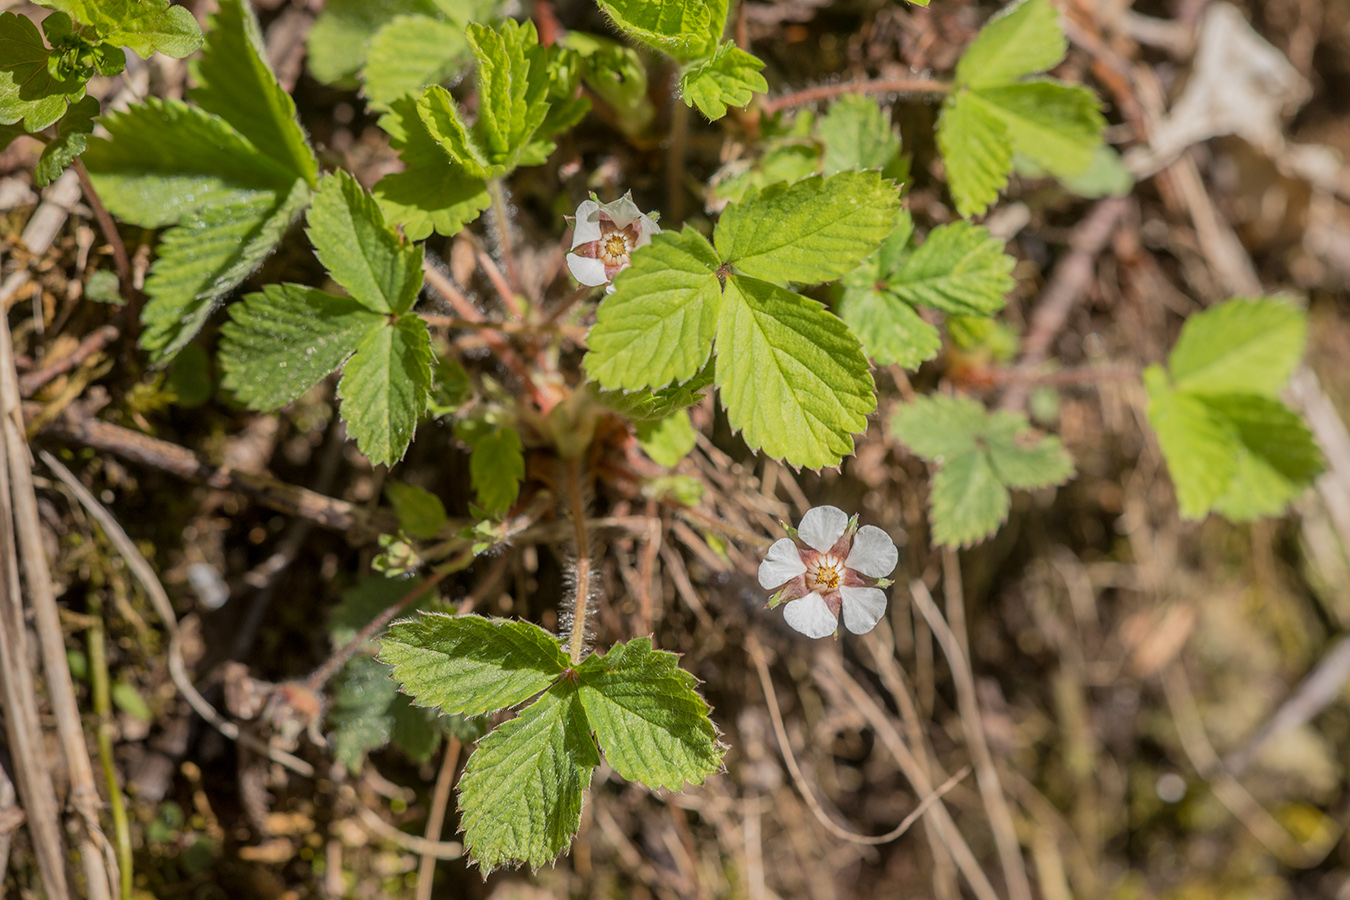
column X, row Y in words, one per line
column 658, row 325
column 1243, row 346
column 668, row 440
column 513, row 83
column 441, row 118
column 730, row 77
column 891, row 330
column 1058, row 126
column 617, row 75
column 410, row 53
column 793, row 378
column 977, row 152
column 858, row 135
column 1277, row 461
column 360, row 715
column 145, row 26
column 815, row 230
column 420, row 512
column 496, row 468
column 650, row 722
column 338, row 41
column 521, row 792
column 72, row 135
column 967, row 502
column 385, row 387
column 683, row 29
column 959, row 269
column 29, row 90
column 1023, row 38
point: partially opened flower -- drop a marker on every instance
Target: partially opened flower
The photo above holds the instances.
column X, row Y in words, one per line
column 832, row 565
column 604, row 237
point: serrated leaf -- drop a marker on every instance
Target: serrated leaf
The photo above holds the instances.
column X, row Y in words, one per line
column 939, row 428
column 415, row 731
column 857, row 135
column 281, row 342
column 1243, row 346
column 513, row 85
column 1022, row 459
column 471, row 664
column 145, row 26
column 384, row 388
column 658, row 325
column 959, row 269
column 892, row 332
column 1058, row 126
column 1021, row 39
column 441, row 119
column 793, row 379
column 521, row 792
column 781, row 162
column 647, row 405
column 360, row 714
column 420, row 512
column 235, row 82
column 976, row 151
column 72, row 135
column 730, row 77
column 817, row 229
column 1277, row 460
column 408, row 53
column 496, row 467
column 377, row 267
column 337, row 42
column 650, row 722
column 682, row 29
column 668, row 440
column 29, row 91
column 1197, row 445
column 968, row 503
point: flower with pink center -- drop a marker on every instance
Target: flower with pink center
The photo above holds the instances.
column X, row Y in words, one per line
column 604, row 238
column 831, row 567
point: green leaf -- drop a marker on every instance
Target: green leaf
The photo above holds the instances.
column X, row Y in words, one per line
column 72, row 135
column 415, row 731
column 337, row 42
column 377, row 267
column 1058, row 126
column 650, row 722
column 362, row 603
column 281, row 342
column 470, row 664
column 360, row 715
column 682, row 29
column 409, row 53
column 496, row 468
column 617, row 75
column 968, row 503
column 1243, row 346
column 450, row 386
column 647, row 405
column 235, row 82
column 658, row 325
column 145, row 26
column 521, row 792
column 782, row 161
column 793, row 378
column 668, row 440
column 730, row 77
column 384, row 388
column 960, row 269
column 29, row 90
column 858, row 135
column 1276, row 463
column 939, row 428
column 815, row 230
column 1024, row 461
column 1197, row 445
column 441, row 119
column 432, row 193
column 891, row 331
column 513, row 85
column 420, row 512
column 976, row 150
column 1021, row 39
column 1105, row 176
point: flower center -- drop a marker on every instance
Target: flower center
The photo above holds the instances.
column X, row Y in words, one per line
column 825, row 573
column 614, row 249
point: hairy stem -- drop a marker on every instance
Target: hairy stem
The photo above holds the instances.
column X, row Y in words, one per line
column 501, row 211
column 579, row 609
column 884, row 86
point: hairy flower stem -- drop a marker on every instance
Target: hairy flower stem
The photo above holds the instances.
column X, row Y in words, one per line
column 576, row 647
column 501, row 211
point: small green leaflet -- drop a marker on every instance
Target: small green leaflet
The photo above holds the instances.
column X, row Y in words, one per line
column 1231, row 445
column 409, row 53
column 29, row 91
column 338, row 40
column 617, row 75
column 668, row 440
column 980, row 456
column 993, row 112
column 496, row 468
column 145, row 26
column 858, row 134
column 230, row 175
column 72, row 136
column 420, row 512
column 959, row 269
column 730, row 77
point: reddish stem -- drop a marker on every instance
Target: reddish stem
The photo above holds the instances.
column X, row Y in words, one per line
column 883, row 86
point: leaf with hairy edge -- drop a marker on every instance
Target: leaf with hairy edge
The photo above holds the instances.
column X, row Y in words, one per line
column 496, row 468
column 1021, row 39
column 235, row 83
column 815, row 230
column 441, row 118
column 1058, row 126
column 29, row 91
column 433, row 193
column 682, row 29
column 959, row 269
column 470, row 664
column 968, row 502
column 281, row 342
column 420, row 513
column 650, row 722
column 145, row 26
column 1243, row 346
column 793, row 378
column 977, row 152
column 730, row 77
column 858, row 134
column 72, row 136
column 521, row 792
column 658, row 325
column 385, row 387
column 891, row 331
column 377, row 267
column 409, row 53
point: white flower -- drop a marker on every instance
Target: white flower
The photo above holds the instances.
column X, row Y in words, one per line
column 830, row 567
column 605, row 236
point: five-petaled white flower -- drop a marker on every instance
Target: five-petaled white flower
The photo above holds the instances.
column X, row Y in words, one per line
column 604, row 237
column 829, row 567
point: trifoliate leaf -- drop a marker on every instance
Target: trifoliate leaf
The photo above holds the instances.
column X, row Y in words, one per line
column 1243, row 346
column 29, row 90
column 377, row 267
column 72, row 135
column 682, row 29
column 360, row 715
column 959, row 269
column 976, row 150
column 281, row 342
column 967, row 503
column 793, row 378
column 730, row 77
column 668, row 440
column 470, row 664
column 1023, row 38
column 145, row 26
column 385, row 386
column 521, row 792
column 338, row 40
column 496, row 467
column 420, row 513
column 815, row 230
column 891, row 330
column 1058, row 126
column 658, row 325
column 650, row 722
column 410, row 52
column 858, row 135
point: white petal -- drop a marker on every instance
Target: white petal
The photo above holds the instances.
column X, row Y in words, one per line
column 863, row 608
column 646, row 228
column 781, row 564
column 822, row 526
column 873, row 553
column 811, row 616
column 586, row 270
column 587, row 227
column 624, row 211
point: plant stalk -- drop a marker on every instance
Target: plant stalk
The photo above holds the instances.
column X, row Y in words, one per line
column 98, row 673
column 576, row 645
